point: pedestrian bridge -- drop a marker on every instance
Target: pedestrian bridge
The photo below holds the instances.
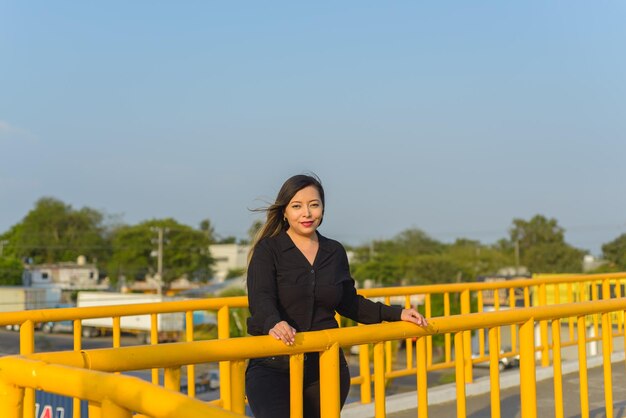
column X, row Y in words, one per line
column 547, row 321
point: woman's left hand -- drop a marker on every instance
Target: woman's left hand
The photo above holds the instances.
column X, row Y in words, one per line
column 411, row 315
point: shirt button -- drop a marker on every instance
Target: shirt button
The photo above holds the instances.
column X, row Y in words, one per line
column 312, row 271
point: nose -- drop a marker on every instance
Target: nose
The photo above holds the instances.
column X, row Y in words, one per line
column 307, row 211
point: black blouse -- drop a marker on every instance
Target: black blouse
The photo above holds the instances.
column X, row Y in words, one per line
column 283, row 285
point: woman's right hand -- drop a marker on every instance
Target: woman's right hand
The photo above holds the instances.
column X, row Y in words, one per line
column 284, row 332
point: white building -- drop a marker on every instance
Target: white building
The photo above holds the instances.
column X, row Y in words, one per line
column 64, row 275
column 228, row 257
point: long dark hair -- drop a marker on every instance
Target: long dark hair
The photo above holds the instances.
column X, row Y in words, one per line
column 275, row 222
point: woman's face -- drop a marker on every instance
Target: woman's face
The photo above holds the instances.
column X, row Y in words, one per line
column 304, row 211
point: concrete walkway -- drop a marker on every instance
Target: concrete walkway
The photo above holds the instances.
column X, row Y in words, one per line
column 442, row 399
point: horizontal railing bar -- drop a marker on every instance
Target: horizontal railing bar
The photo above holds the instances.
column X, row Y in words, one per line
column 177, row 354
column 475, row 286
column 63, row 314
column 128, row 392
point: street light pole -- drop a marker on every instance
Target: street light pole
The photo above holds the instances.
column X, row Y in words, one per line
column 160, row 261
column 159, row 253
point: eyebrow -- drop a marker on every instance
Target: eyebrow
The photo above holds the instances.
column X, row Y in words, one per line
column 297, row 201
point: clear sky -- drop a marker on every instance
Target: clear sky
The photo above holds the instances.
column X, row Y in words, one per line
column 452, row 117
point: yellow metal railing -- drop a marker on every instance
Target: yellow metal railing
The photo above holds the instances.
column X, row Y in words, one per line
column 237, row 350
column 109, row 395
column 467, row 297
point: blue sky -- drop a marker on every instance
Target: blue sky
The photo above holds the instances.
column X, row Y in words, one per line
column 452, row 117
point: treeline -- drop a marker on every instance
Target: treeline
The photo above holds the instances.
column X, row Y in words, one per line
column 53, row 232
column 533, row 246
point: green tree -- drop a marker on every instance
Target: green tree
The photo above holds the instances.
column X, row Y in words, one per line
column 11, row 270
column 543, row 248
column 615, row 252
column 185, row 251
column 383, row 269
column 389, row 262
column 207, row 228
column 475, row 259
column 554, row 258
column 433, row 268
column 53, row 231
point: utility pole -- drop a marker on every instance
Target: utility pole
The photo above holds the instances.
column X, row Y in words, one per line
column 159, row 241
column 517, row 257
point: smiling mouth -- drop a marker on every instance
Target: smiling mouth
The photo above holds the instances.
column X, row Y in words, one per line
column 307, row 224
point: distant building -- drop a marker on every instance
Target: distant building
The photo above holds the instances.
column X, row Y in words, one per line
column 590, row 263
column 64, row 275
column 228, row 257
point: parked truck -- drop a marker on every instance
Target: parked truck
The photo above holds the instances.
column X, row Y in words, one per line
column 170, row 325
column 18, row 298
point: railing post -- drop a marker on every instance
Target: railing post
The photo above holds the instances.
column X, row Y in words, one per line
column 422, row 379
column 467, row 338
column 27, row 346
column 388, row 353
column 379, row 379
column 558, row 371
column 112, row 410
column 117, row 331
column 528, row 388
column 94, row 410
column 494, row 371
column 606, row 294
column 78, row 335
column 329, row 382
column 223, row 332
column 154, row 339
column 543, row 327
column 238, row 386
column 512, row 305
column 582, row 367
column 606, row 354
column 171, row 378
column 191, row 369
column 296, row 385
column 460, row 375
column 11, row 400
column 447, row 338
column 366, row 374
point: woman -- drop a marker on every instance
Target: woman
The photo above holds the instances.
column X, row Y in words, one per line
column 297, row 279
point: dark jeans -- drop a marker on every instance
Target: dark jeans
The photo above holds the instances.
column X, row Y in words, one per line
column 267, row 385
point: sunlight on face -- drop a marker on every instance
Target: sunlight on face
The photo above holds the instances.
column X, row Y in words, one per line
column 304, row 212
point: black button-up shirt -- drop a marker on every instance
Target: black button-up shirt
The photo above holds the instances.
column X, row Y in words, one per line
column 283, row 285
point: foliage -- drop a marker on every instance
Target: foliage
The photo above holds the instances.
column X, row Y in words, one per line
column 539, row 230
column 413, row 257
column 554, row 258
column 615, row 252
column 433, row 268
column 389, row 262
column 382, row 269
column 543, row 248
column 185, row 251
column 233, row 273
column 11, row 269
column 53, row 231
column 209, row 231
